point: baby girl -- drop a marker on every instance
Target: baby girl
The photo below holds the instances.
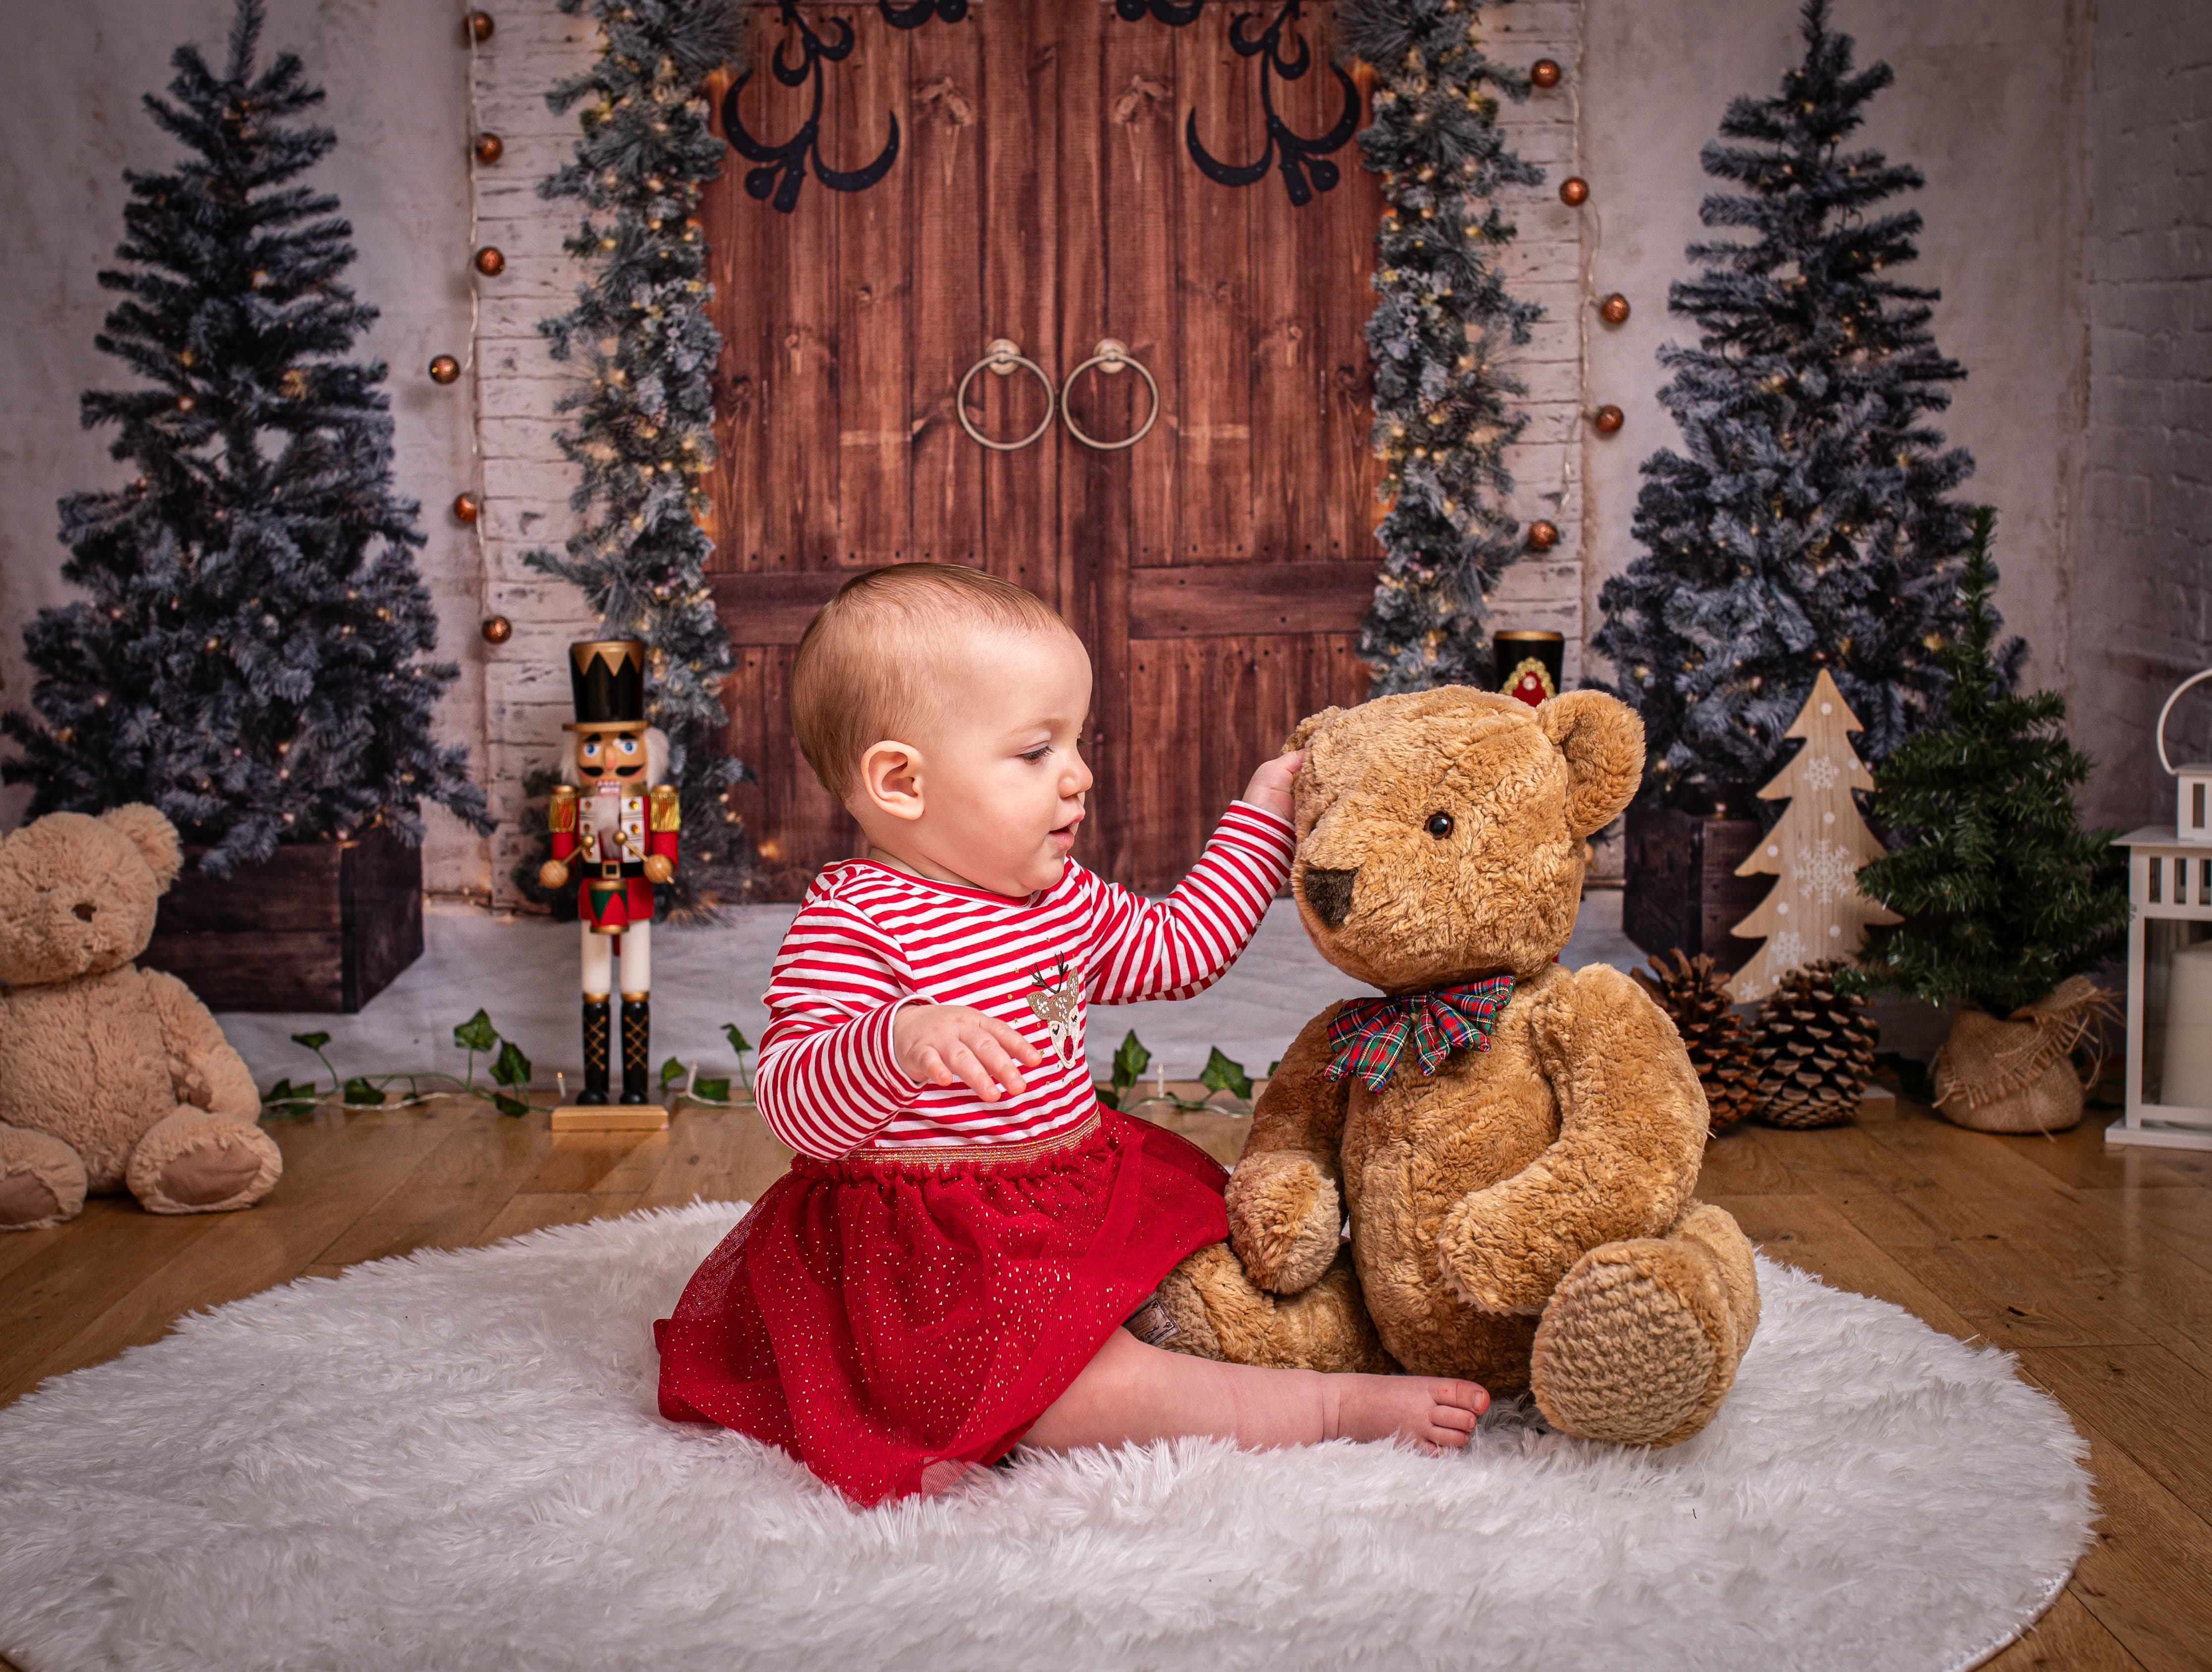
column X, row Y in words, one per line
column 944, row 1271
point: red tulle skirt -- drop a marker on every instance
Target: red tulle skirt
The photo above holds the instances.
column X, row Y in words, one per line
column 874, row 1316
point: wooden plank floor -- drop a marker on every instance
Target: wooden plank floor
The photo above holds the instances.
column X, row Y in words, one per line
column 2095, row 1267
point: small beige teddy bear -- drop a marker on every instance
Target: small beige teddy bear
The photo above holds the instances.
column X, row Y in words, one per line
column 111, row 1077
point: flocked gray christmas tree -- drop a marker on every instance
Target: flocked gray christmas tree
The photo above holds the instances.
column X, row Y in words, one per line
column 248, row 658
column 642, row 428
column 1442, row 320
column 1805, row 526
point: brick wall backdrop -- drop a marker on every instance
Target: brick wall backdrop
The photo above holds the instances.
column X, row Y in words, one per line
column 2142, row 596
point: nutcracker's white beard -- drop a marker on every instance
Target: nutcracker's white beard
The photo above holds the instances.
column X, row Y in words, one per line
column 656, row 761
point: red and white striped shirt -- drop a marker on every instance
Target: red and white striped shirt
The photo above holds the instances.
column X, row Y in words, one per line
column 869, row 939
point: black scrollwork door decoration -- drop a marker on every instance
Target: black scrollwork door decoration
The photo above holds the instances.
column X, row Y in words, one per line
column 1304, row 160
column 783, row 167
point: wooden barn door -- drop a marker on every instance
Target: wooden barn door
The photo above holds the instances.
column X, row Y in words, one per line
column 1044, row 191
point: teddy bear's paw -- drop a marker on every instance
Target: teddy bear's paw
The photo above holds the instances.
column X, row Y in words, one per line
column 1286, row 1220
column 1209, row 1309
column 191, row 1161
column 41, row 1179
column 1489, row 1262
column 1176, row 1316
column 1637, row 1346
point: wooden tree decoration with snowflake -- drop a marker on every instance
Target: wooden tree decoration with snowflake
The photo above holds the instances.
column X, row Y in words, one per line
column 1816, row 909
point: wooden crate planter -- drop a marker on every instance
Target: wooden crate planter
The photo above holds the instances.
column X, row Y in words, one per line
column 319, row 926
column 1680, row 888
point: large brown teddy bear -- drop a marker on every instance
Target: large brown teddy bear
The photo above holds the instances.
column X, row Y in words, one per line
column 1521, row 1215
column 111, row 1077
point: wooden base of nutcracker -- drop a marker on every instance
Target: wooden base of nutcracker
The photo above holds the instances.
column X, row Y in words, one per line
column 610, row 1118
column 322, row 925
column 1680, row 888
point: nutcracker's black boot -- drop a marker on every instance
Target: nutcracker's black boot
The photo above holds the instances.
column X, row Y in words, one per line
column 598, row 1022
column 637, row 1048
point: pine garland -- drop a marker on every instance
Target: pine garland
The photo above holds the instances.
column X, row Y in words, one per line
column 1807, row 523
column 2004, row 895
column 1442, row 319
column 643, row 435
column 248, row 659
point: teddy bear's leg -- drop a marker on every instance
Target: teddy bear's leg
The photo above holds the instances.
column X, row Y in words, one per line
column 1208, row 1308
column 193, row 1161
column 1639, row 1343
column 41, row 1179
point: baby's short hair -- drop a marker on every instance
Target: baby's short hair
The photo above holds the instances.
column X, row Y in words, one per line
column 866, row 668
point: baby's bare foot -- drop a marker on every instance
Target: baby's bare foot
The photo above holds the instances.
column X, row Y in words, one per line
column 1436, row 1414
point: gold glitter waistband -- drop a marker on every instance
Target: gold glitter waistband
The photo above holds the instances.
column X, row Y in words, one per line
column 980, row 1155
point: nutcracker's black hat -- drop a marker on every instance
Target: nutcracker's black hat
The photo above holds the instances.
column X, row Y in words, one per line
column 608, row 676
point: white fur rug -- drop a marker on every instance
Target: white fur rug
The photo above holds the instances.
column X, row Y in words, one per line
column 453, row 1461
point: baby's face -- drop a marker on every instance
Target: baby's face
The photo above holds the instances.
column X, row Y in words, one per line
column 1002, row 782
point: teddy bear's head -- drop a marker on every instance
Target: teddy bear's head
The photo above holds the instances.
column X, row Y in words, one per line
column 1440, row 832
column 78, row 893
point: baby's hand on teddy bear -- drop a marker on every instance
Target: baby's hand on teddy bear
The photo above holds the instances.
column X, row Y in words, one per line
column 1270, row 785
column 948, row 1044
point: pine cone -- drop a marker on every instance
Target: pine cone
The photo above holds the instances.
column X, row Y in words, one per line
column 1694, row 993
column 1814, row 1049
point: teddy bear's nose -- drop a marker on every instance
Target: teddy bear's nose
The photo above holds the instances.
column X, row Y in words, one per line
column 1328, row 892
column 84, row 909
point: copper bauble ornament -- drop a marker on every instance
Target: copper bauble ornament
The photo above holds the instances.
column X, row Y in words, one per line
column 1608, row 419
column 497, row 629
column 490, row 147
column 479, row 27
column 1613, row 310
column 1574, row 191
column 490, row 262
column 1543, row 536
column 1545, row 72
column 465, row 508
column 186, row 403
column 444, row 368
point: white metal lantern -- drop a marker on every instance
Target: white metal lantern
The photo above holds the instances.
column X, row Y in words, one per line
column 2170, row 967
column 2192, row 819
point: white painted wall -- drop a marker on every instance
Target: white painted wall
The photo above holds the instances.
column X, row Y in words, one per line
column 2065, row 142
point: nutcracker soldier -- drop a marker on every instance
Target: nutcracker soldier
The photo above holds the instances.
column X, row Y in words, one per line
column 614, row 822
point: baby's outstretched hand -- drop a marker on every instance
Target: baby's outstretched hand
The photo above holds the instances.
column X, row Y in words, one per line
column 948, row 1044
column 1270, row 785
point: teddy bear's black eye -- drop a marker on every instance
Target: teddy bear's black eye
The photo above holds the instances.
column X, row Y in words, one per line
column 1440, row 825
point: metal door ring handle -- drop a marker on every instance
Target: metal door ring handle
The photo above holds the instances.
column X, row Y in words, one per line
column 1111, row 357
column 1001, row 356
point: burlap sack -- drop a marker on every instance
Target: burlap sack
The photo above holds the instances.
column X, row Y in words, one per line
column 2017, row 1074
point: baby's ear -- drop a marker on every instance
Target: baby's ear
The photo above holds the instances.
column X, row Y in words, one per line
column 1602, row 738
column 1308, row 727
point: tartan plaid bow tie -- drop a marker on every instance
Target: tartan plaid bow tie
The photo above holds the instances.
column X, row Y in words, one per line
column 1369, row 1035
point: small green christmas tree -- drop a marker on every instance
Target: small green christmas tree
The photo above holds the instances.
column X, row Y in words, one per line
column 2004, row 894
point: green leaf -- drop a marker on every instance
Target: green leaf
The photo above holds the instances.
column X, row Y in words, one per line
column 360, row 1093
column 1130, row 1060
column 512, row 1067
column 476, row 1034
column 1221, row 1075
column 739, row 1043
column 289, row 1101
column 671, row 1071
column 507, row 1105
column 713, row 1090
column 315, row 1041
column 1271, row 1066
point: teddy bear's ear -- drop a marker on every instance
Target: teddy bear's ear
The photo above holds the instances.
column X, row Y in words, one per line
column 1308, row 727
column 155, row 838
column 1602, row 738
